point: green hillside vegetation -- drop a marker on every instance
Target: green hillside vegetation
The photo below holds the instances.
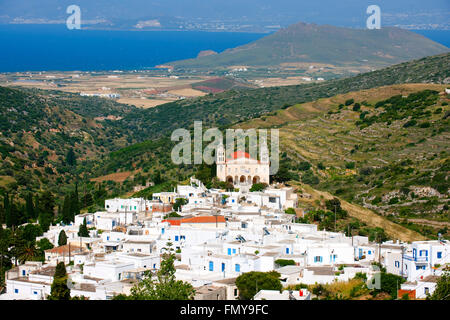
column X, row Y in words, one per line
column 49, row 137
column 389, row 154
column 226, row 108
column 323, row 44
column 220, row 84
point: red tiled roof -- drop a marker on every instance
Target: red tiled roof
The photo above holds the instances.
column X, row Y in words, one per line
column 240, row 154
column 202, row 219
column 63, row 249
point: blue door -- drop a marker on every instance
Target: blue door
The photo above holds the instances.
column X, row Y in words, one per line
column 211, row 266
column 223, row 267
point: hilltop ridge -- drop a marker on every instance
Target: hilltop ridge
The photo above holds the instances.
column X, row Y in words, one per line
column 328, row 44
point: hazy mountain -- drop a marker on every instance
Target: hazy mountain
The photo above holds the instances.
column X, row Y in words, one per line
column 324, row 44
column 171, row 13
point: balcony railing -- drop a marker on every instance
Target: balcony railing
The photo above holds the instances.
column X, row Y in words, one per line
column 416, row 259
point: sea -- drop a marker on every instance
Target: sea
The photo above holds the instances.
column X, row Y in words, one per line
column 55, row 48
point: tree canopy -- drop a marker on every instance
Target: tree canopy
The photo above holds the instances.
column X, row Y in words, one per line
column 251, row 282
column 442, row 291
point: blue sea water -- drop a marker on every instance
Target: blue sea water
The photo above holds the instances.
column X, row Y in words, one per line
column 440, row 36
column 54, row 47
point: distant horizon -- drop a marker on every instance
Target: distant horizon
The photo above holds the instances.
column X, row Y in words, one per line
column 249, row 15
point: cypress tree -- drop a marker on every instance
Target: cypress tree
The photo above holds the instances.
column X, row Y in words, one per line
column 46, row 210
column 60, row 271
column 76, row 202
column 71, row 158
column 83, row 231
column 30, row 211
column 66, row 210
column 7, row 209
column 12, row 214
column 59, row 289
column 62, row 238
column 2, row 215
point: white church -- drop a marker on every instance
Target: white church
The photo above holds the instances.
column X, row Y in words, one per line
column 241, row 169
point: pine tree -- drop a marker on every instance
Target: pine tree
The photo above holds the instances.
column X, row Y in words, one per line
column 59, row 289
column 83, row 231
column 62, row 238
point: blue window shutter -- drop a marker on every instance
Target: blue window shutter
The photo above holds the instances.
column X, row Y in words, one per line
column 439, row 255
column 211, row 266
column 176, row 238
column 287, row 250
column 234, row 250
column 238, row 267
column 223, row 266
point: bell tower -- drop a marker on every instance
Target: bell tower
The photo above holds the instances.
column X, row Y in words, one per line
column 220, row 158
column 220, row 162
column 264, row 153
